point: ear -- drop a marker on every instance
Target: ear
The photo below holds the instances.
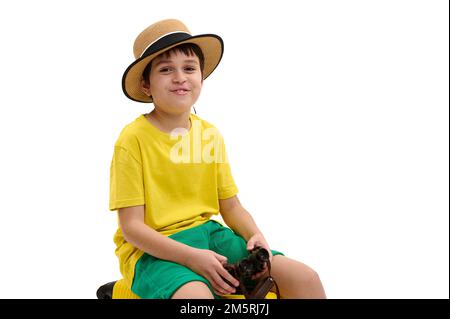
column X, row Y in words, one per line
column 145, row 87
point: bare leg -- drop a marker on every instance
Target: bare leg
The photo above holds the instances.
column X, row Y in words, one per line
column 193, row 290
column 296, row 280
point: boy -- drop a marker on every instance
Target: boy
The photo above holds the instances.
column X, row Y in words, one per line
column 166, row 243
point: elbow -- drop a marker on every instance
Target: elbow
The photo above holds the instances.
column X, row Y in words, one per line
column 129, row 229
column 130, row 219
column 134, row 234
column 125, row 232
column 125, row 235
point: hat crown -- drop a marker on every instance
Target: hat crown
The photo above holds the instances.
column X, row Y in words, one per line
column 161, row 37
column 155, row 32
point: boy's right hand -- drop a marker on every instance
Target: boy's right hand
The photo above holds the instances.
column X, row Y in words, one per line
column 209, row 264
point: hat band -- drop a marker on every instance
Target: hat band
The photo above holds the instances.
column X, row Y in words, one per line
column 165, row 41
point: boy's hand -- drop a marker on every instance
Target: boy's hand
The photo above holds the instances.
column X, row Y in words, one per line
column 258, row 240
column 209, row 264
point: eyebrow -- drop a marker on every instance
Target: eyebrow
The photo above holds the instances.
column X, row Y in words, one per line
column 169, row 61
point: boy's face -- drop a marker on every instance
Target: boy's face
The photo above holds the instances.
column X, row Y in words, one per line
column 175, row 82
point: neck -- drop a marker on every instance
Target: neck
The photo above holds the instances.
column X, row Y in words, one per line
column 168, row 122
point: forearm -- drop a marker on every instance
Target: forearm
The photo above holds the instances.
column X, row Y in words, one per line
column 153, row 243
column 241, row 222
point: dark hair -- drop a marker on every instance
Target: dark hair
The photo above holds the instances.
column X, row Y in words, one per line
column 188, row 49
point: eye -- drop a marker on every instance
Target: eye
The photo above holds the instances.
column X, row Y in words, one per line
column 190, row 68
column 164, row 69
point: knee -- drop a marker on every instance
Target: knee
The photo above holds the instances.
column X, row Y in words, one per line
column 313, row 285
column 289, row 268
column 312, row 276
column 305, row 275
column 193, row 290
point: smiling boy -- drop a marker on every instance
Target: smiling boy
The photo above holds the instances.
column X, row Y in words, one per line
column 167, row 244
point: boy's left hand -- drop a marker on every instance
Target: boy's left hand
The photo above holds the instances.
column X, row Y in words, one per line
column 258, row 240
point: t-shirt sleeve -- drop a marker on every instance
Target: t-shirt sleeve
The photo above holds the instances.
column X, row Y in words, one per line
column 226, row 187
column 126, row 180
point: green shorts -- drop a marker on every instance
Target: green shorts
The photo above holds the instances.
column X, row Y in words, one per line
column 156, row 278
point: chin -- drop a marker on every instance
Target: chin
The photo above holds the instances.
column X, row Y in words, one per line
column 174, row 107
column 179, row 109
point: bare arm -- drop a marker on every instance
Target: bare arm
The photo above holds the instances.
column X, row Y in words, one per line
column 204, row 262
column 238, row 218
column 241, row 222
column 137, row 233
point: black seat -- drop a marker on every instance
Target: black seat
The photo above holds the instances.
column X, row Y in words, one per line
column 106, row 291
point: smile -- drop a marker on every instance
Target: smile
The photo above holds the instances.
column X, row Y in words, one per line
column 180, row 92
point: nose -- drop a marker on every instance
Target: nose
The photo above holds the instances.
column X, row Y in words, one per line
column 179, row 77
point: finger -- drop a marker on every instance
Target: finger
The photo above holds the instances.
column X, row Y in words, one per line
column 222, row 259
column 227, row 276
column 216, row 287
column 219, row 291
column 222, row 285
column 251, row 243
column 222, row 293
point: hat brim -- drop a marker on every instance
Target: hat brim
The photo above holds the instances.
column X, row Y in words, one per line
column 212, row 49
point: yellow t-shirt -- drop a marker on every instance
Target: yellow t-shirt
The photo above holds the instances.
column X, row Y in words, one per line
column 179, row 177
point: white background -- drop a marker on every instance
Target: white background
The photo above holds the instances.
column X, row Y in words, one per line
column 335, row 115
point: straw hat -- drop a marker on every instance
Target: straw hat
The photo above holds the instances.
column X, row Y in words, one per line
column 158, row 38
